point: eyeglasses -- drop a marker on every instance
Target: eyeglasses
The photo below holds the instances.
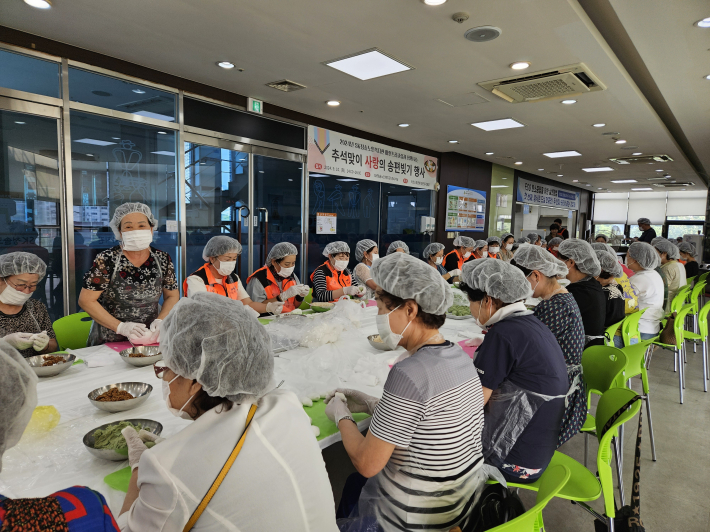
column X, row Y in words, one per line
column 22, row 287
column 159, row 368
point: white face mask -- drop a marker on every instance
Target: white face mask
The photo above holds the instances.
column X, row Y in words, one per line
column 11, row 296
column 226, row 267
column 477, row 320
column 493, row 250
column 533, row 287
column 174, row 411
column 286, row 272
column 439, row 260
column 137, row 240
column 509, row 246
column 390, row 338
column 375, row 256
column 467, row 255
column 340, row 265
column 484, row 254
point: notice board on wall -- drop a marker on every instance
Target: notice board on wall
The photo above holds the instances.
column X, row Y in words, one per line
column 326, row 223
column 465, row 209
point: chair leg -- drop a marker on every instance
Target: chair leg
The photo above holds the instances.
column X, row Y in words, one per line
column 683, row 363
column 618, row 471
column 586, row 448
column 705, row 368
column 675, row 359
column 610, row 524
column 695, row 330
column 650, row 426
column 680, row 374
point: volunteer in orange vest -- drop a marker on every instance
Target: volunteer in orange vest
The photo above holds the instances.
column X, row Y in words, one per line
column 218, row 275
column 276, row 282
column 493, row 247
column 463, row 246
column 480, row 250
column 332, row 279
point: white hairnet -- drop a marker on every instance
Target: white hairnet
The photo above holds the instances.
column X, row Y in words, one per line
column 397, row 244
column 18, row 396
column 609, row 263
column 601, row 236
column 523, row 240
column 582, row 254
column 362, row 247
column 669, row 248
column 506, row 235
column 643, row 221
column 536, row 258
column 480, row 244
column 686, row 247
column 128, row 208
column 463, row 242
column 432, row 249
column 656, row 239
column 554, row 242
column 216, row 341
column 281, row 250
column 497, row 278
column 493, row 240
column 409, row 278
column 597, row 246
column 220, row 245
column 533, row 237
column 333, row 248
column 21, row 262
column 644, row 254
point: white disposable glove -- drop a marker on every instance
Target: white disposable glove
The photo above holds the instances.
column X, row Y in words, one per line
column 455, row 273
column 303, row 289
column 291, row 292
column 40, row 341
column 136, row 447
column 251, row 311
column 19, row 340
column 132, row 330
column 356, row 401
column 146, row 436
column 358, row 291
column 155, row 326
column 274, row 307
column 337, row 410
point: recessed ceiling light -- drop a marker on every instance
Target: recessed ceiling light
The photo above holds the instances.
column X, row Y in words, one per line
column 520, row 65
column 575, row 181
column 620, row 142
column 639, row 189
column 495, row 125
column 707, row 77
column 162, row 133
column 568, row 102
column 89, row 154
column 95, row 142
column 434, row 2
column 540, row 169
column 560, row 175
column 116, row 138
column 139, row 91
column 18, row 122
column 599, row 188
column 453, row 142
column 598, row 169
column 519, row 162
column 556, row 154
column 598, row 125
column 704, row 23
column 290, row 179
column 39, row 4
column 225, row 64
column 587, row 185
column 500, row 186
column 333, row 103
column 489, row 153
column 368, row 65
column 619, row 181
column 659, row 170
column 637, row 153
column 403, row 125
column 261, row 171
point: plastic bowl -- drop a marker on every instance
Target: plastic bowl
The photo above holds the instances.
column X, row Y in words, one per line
column 122, row 454
column 377, row 345
column 36, row 362
column 153, row 352
column 139, row 390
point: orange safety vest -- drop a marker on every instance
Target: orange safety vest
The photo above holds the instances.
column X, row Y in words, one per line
column 271, row 287
column 334, row 280
column 493, row 256
column 459, row 258
column 228, row 288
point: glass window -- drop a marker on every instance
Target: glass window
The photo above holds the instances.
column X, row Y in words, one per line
column 401, row 212
column 133, row 162
column 120, row 95
column 611, row 230
column 675, row 231
column 636, row 232
column 30, row 74
column 216, row 197
column 699, row 218
column 30, row 217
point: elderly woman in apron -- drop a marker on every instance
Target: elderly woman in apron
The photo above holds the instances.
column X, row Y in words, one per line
column 122, row 290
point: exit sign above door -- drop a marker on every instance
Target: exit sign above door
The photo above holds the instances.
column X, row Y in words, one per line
column 255, row 106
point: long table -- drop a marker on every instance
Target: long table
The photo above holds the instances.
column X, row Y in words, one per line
column 44, row 462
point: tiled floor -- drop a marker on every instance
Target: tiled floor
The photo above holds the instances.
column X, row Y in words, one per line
column 675, row 490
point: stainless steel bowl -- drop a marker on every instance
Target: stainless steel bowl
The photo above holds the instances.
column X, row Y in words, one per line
column 153, row 352
column 121, row 454
column 50, row 371
column 139, row 390
column 377, row 345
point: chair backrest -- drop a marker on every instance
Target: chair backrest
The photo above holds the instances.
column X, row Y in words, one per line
column 552, row 481
column 679, row 325
column 704, row 276
column 611, row 332
column 679, row 299
column 630, row 327
column 691, row 280
column 602, row 368
column 609, row 403
column 703, row 320
column 698, row 289
column 72, row 331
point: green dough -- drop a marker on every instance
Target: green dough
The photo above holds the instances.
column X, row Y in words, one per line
column 459, row 310
column 111, row 437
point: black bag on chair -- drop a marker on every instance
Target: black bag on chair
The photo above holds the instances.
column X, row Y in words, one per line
column 496, row 506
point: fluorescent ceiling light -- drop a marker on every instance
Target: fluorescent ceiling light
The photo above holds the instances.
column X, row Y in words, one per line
column 519, row 162
column 162, row 133
column 620, row 142
column 225, row 64
column 500, row 186
column 495, row 125
column 707, row 77
column 598, row 169
column 18, row 122
column 520, row 65
column 556, row 154
column 89, row 154
column 575, row 181
column 403, row 125
column 540, row 169
column 598, row 125
column 319, row 175
column 659, row 170
column 157, row 116
column 489, row 153
column 346, row 179
column 704, row 23
column 95, row 142
column 637, row 153
column 568, row 102
column 453, row 142
column 333, row 103
column 560, row 175
column 434, row 2
column 290, row 179
column 369, row 64
column 116, row 138
column 639, row 189
column 619, row 181
column 42, row 4
column 168, row 153
column 139, row 91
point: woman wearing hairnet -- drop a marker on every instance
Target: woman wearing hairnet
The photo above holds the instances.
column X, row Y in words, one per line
column 275, row 283
column 123, row 287
column 480, row 250
column 553, row 246
column 58, row 511
column 534, row 239
column 559, row 311
column 601, row 238
column 687, row 253
column 432, row 395
column 506, row 247
column 397, row 247
column 643, row 259
column 24, row 322
column 433, row 254
column 366, row 252
column 217, row 370
column 520, row 363
column 332, row 279
column 615, row 302
column 673, row 271
column 493, row 246
column 581, row 260
column 454, row 259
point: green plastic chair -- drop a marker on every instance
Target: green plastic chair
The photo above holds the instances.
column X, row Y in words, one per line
column 680, row 299
column 691, row 280
column 703, row 328
column 679, row 347
column 693, row 299
column 636, row 365
column 602, row 369
column 611, row 332
column 630, row 327
column 551, row 482
column 306, row 303
column 72, row 331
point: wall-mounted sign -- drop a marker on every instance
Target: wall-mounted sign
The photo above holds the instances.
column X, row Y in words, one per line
column 255, row 106
column 546, row 195
column 333, row 153
column 465, row 209
column 326, row 223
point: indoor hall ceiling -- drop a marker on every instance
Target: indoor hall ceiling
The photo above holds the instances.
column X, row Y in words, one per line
column 276, row 39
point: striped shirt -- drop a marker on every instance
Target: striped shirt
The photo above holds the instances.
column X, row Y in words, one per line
column 320, row 286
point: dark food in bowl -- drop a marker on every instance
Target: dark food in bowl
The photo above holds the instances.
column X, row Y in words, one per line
column 52, row 360
column 114, row 394
column 141, row 355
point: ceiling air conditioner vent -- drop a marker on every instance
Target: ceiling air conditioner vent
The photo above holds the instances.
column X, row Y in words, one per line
column 286, row 85
column 642, row 159
column 674, row 185
column 545, row 85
